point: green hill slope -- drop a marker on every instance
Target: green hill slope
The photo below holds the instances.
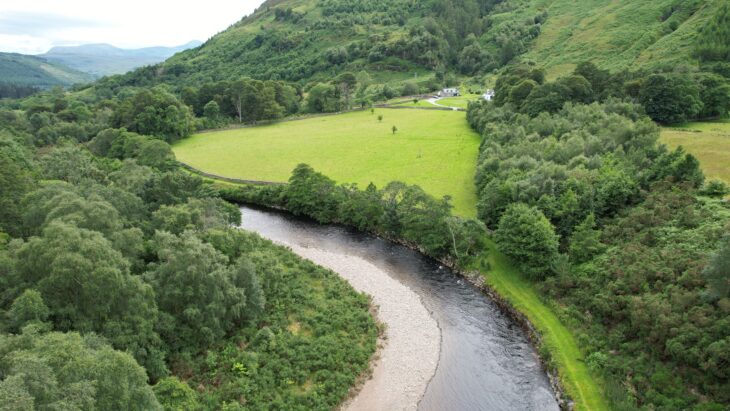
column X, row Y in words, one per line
column 619, row 35
column 302, row 40
column 34, row 71
column 395, row 40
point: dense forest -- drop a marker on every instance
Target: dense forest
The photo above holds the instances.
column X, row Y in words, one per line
column 14, row 91
column 125, row 285
column 623, row 235
column 668, row 97
column 24, row 70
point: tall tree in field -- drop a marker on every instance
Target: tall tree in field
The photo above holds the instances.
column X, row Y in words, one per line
column 670, row 99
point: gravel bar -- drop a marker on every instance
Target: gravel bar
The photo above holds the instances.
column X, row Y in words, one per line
column 410, row 354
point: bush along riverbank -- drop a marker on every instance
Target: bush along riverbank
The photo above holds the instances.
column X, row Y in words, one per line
column 399, row 212
column 406, row 215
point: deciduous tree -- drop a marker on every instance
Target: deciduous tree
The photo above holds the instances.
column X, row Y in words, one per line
column 526, row 236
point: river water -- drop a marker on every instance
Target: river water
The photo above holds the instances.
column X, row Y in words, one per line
column 486, row 361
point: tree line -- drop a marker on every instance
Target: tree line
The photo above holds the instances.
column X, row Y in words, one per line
column 667, row 97
column 14, row 91
column 398, row 211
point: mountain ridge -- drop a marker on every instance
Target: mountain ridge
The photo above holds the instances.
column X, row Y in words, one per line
column 101, row 59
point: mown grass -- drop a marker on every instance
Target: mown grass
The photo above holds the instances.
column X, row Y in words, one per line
column 432, row 148
column 708, row 141
column 583, row 387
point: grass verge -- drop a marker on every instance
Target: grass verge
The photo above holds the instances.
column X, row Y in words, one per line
column 583, row 387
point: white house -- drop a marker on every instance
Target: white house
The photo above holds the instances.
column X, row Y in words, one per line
column 489, row 95
column 449, row 92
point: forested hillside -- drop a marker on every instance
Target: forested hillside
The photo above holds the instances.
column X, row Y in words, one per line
column 303, row 40
column 625, row 35
column 391, row 39
column 22, row 70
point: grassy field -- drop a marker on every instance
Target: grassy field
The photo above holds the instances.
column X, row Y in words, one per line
column 432, row 148
column 580, row 385
column 708, row 141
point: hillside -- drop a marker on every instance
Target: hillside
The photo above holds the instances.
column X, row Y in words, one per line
column 620, row 35
column 304, row 40
column 105, row 59
column 26, row 70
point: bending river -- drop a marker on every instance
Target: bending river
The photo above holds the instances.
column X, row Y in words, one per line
column 473, row 356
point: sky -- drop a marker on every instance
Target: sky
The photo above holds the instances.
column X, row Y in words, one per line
column 34, row 26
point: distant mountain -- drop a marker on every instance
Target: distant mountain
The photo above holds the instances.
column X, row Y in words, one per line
column 24, row 70
column 105, row 59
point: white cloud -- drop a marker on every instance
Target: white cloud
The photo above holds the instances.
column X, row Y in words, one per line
column 34, row 26
column 24, row 44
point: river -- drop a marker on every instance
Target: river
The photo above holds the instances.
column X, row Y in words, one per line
column 485, row 361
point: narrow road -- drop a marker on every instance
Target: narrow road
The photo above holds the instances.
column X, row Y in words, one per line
column 434, row 101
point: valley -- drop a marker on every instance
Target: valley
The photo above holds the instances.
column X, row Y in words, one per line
column 366, row 205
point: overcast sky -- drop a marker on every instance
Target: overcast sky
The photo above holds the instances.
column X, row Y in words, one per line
column 34, row 26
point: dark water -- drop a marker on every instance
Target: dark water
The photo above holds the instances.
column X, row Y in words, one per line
column 486, row 361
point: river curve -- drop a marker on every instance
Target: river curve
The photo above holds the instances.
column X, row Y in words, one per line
column 485, row 361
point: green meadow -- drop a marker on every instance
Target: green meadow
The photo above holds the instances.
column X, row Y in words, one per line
column 708, row 141
column 435, row 149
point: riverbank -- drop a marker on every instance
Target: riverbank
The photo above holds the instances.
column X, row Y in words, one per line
column 552, row 337
column 575, row 388
column 573, row 385
column 412, row 342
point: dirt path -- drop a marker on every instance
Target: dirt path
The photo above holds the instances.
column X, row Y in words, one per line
column 410, row 354
column 434, row 101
